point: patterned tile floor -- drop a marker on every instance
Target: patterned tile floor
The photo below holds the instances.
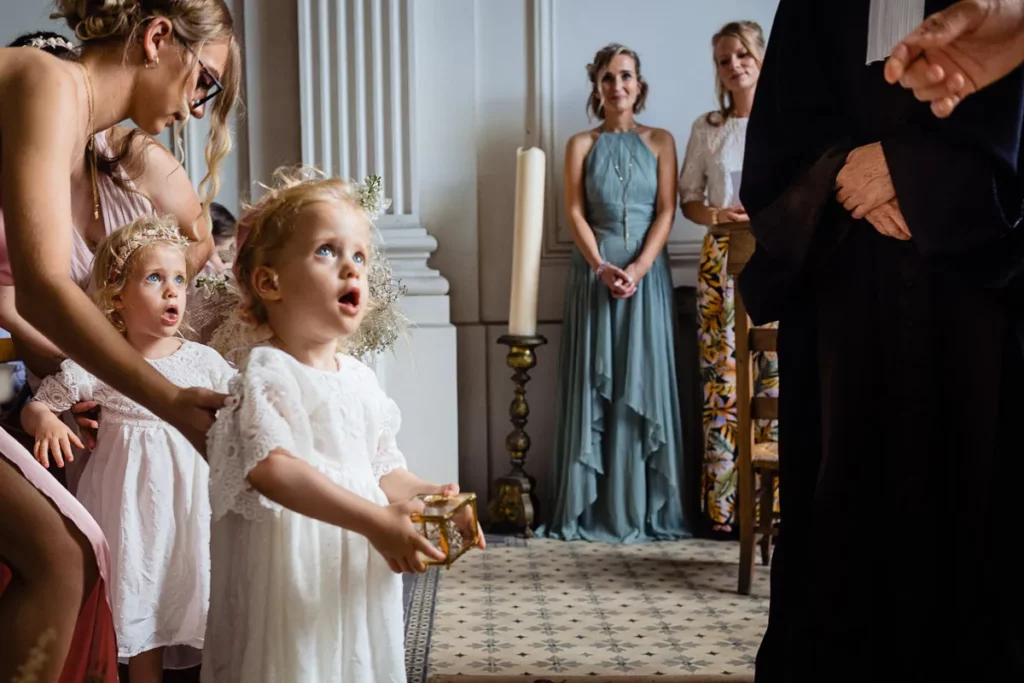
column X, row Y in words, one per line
column 571, row 609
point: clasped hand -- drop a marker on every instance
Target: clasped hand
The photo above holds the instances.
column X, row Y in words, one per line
column 864, row 188
column 623, row 282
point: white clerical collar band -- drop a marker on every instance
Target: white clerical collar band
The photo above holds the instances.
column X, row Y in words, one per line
column 888, row 23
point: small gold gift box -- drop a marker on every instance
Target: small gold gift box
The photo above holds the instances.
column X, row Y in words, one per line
column 437, row 524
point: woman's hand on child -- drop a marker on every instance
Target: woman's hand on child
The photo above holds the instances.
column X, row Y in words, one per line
column 54, row 438
column 192, row 412
column 399, row 542
column 87, row 414
column 465, row 518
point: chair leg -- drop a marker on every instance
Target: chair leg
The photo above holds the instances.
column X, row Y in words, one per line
column 746, row 498
column 765, row 514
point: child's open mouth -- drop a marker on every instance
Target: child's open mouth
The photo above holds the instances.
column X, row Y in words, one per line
column 170, row 316
column 349, row 301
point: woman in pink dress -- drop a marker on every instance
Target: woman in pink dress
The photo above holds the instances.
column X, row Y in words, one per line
column 156, row 62
column 161, row 186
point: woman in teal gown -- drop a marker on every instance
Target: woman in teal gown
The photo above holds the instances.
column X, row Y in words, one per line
column 618, row 450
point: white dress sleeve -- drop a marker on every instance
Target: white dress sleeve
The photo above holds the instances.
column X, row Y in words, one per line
column 388, row 457
column 221, row 371
column 693, row 179
column 69, row 386
column 263, row 413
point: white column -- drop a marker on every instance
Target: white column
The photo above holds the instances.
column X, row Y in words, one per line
column 357, row 89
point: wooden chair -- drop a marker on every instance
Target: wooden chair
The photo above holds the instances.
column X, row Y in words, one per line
column 753, row 460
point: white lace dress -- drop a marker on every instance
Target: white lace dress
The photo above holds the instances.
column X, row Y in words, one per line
column 295, row 600
column 147, row 486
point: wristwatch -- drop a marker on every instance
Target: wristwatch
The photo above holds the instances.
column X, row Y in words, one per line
column 714, row 216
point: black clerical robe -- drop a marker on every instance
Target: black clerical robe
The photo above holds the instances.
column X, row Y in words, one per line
column 901, row 365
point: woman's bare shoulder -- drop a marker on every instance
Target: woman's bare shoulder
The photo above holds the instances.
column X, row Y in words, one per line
column 34, row 86
column 25, row 71
column 658, row 140
column 581, row 142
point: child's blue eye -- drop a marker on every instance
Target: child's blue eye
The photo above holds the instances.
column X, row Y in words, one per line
column 153, row 277
column 325, row 250
column 359, row 257
column 179, row 280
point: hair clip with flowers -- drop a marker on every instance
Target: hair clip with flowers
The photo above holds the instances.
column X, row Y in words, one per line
column 51, row 42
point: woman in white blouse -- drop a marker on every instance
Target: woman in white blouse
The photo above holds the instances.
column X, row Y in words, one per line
column 709, row 188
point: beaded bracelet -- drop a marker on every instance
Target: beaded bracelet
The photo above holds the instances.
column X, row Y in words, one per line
column 600, row 269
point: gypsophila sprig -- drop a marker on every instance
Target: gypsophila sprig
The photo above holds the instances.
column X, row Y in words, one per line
column 371, row 197
column 211, row 285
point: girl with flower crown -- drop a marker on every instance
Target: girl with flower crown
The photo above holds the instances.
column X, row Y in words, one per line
column 145, row 485
column 311, row 496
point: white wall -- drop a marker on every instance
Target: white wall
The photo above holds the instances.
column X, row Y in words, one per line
column 18, row 17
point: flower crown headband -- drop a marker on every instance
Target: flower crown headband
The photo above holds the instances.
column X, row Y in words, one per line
column 54, row 41
column 369, row 194
column 384, row 322
column 145, row 237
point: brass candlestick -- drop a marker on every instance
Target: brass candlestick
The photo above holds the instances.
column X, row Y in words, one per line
column 514, row 504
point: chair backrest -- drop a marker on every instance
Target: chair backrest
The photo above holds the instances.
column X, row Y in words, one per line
column 741, row 244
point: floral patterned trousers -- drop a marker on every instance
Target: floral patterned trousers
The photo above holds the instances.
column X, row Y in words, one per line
column 716, row 328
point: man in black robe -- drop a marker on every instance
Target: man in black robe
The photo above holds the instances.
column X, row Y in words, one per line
column 901, row 362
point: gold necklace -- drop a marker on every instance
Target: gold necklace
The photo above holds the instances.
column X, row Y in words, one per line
column 90, row 146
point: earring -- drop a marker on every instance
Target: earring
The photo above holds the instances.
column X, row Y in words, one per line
column 150, row 63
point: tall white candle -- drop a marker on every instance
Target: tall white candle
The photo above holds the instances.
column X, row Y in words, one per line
column 529, row 233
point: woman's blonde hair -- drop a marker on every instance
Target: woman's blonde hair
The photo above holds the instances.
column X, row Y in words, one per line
column 195, row 23
column 265, row 226
column 749, row 33
column 116, row 256
column 604, row 57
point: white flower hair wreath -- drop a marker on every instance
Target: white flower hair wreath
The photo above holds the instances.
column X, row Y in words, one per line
column 219, row 298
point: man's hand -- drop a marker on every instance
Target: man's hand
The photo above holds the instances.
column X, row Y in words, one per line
column 888, row 220
column 958, row 51
column 864, row 184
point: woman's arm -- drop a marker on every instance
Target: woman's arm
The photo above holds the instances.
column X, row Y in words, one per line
column 693, row 179
column 699, row 213
column 582, row 234
column 665, row 209
column 168, row 186
column 37, row 352
column 38, row 144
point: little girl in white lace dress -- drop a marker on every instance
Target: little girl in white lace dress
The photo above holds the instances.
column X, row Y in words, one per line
column 311, row 498
column 145, row 484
